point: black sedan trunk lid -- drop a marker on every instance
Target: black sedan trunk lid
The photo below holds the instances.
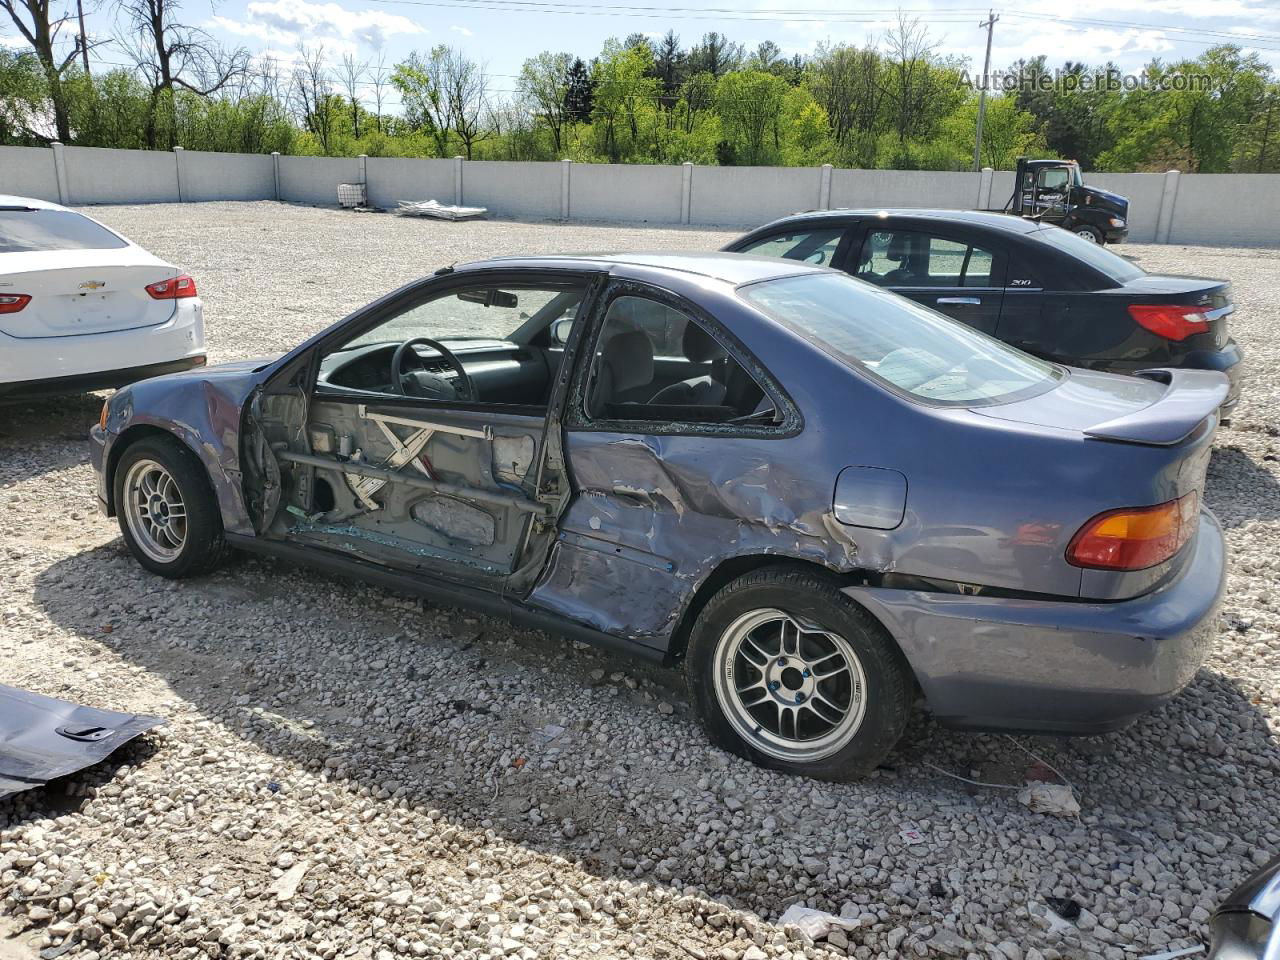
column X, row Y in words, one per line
column 1201, row 295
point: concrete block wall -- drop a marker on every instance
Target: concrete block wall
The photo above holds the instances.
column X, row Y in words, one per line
column 28, row 172
column 903, row 188
column 510, row 189
column 392, row 179
column 315, row 179
column 623, row 191
column 1164, row 207
column 225, row 176
column 121, row 176
column 1226, row 208
column 749, row 196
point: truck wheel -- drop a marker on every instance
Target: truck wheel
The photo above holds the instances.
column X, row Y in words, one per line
column 168, row 515
column 790, row 674
column 1092, row 234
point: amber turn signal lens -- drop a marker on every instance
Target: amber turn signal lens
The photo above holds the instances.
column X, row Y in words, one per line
column 1135, row 538
column 102, row 417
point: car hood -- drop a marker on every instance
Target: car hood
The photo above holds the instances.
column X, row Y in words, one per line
column 1159, row 407
column 159, row 397
column 1106, row 200
column 232, row 367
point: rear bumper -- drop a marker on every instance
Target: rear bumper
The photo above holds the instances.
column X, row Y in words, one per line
column 101, row 380
column 1057, row 666
column 95, row 361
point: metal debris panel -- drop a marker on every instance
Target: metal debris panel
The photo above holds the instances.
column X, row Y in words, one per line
column 42, row 738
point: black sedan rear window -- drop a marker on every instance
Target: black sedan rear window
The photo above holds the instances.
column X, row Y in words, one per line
column 1094, row 254
column 27, row 231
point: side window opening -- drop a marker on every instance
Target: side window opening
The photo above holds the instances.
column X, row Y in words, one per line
column 657, row 364
column 811, row 246
column 483, row 343
column 906, row 258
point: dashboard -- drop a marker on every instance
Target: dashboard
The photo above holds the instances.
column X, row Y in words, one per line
column 500, row 371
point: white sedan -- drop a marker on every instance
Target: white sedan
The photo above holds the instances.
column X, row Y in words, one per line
column 83, row 308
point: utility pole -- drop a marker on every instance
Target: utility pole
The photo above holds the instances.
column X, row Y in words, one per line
column 989, row 23
column 84, row 41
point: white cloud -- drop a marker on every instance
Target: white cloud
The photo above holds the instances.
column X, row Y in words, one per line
column 291, row 21
column 462, row 30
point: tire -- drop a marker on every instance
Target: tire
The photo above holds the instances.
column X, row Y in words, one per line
column 1092, row 234
column 165, row 541
column 840, row 735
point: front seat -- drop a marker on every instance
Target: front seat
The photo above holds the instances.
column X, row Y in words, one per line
column 900, row 252
column 705, row 391
column 626, row 362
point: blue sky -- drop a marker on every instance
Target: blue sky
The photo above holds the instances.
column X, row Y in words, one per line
column 1130, row 32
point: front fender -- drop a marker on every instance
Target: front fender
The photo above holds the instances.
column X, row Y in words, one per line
column 202, row 414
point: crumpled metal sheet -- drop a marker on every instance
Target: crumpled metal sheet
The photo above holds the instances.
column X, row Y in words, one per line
column 42, row 738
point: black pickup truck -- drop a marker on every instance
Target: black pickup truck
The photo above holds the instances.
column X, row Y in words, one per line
column 1053, row 191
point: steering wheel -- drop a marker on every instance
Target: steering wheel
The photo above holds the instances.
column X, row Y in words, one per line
column 462, row 388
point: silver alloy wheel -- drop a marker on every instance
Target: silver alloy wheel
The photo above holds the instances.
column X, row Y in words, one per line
column 154, row 510
column 1088, row 235
column 794, row 691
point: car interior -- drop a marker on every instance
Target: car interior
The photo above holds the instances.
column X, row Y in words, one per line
column 904, row 258
column 656, row 363
column 503, row 346
column 485, row 345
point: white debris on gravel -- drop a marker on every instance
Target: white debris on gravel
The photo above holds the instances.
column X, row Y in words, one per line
column 351, row 773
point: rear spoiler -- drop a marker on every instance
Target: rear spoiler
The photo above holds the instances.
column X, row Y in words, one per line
column 1190, row 397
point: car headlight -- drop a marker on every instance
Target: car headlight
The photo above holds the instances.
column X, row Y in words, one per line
column 1117, row 221
column 1243, row 935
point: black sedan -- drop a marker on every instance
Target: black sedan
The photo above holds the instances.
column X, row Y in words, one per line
column 1038, row 287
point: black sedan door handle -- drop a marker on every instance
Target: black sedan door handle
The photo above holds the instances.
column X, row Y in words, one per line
column 969, row 301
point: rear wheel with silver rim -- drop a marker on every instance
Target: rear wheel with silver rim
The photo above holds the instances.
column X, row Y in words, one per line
column 167, row 511
column 787, row 671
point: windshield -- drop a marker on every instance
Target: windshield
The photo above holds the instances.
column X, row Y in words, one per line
column 25, row 231
column 1094, row 254
column 914, row 350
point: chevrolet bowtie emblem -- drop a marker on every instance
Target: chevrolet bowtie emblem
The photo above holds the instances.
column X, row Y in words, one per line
column 92, row 284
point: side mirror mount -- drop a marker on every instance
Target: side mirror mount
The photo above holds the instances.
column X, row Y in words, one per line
column 561, row 329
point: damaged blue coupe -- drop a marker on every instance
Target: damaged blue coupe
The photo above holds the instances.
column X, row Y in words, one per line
column 824, row 499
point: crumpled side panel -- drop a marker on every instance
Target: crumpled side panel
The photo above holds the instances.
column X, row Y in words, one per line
column 655, row 515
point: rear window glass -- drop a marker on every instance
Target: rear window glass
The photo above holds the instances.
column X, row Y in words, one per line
column 913, row 349
column 25, row 231
column 1094, row 254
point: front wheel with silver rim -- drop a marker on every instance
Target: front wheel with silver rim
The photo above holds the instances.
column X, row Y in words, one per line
column 1092, row 234
column 788, row 672
column 167, row 512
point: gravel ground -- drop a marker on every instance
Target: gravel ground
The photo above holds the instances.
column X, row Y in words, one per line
column 348, row 772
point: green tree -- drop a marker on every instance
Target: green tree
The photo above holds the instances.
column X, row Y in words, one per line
column 621, row 84
column 420, row 82
column 750, row 103
column 23, row 94
column 544, row 83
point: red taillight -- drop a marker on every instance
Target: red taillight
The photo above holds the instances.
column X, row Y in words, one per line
column 1135, row 538
column 175, row 289
column 13, row 302
column 1169, row 320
